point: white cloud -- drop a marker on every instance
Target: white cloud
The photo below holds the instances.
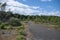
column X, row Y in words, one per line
column 35, row 7
column 16, row 6
column 53, row 13
column 45, row 0
column 21, row 8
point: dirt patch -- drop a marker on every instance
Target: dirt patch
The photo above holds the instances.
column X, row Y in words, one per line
column 8, row 34
column 29, row 34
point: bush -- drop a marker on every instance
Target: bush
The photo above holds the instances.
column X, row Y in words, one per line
column 2, row 26
column 20, row 38
column 14, row 22
column 23, row 33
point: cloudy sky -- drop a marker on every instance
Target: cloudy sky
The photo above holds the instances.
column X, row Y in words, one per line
column 34, row 7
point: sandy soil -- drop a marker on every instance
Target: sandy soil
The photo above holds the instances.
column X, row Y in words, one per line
column 8, row 34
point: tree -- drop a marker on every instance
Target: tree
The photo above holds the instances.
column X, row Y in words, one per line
column 3, row 7
column 0, row 6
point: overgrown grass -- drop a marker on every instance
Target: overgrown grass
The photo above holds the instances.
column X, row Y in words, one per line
column 22, row 33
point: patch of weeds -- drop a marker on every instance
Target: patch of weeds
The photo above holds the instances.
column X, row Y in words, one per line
column 23, row 33
column 20, row 37
column 21, row 28
column 2, row 26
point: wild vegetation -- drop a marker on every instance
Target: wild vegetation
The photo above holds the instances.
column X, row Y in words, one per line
column 10, row 20
column 13, row 19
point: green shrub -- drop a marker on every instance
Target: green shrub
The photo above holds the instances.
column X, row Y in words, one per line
column 20, row 38
column 23, row 33
column 2, row 26
column 14, row 22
